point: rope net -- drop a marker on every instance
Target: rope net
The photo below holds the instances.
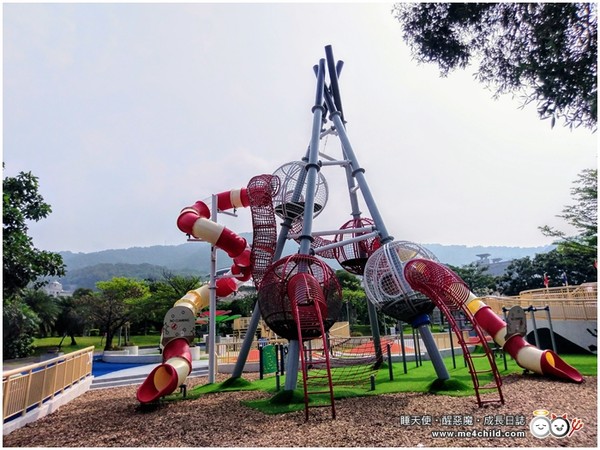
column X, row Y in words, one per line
column 352, row 360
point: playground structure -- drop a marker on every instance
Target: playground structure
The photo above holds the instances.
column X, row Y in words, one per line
column 299, row 296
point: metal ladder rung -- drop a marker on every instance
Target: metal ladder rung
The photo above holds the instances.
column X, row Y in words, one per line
column 477, row 355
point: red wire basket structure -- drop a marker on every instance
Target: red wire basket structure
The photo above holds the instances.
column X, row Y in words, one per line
column 300, row 298
column 354, row 255
column 275, row 303
column 450, row 293
column 261, row 190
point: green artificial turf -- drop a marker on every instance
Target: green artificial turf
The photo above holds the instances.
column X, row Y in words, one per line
column 417, row 379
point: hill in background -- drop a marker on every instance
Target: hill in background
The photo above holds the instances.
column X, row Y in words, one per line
column 193, row 258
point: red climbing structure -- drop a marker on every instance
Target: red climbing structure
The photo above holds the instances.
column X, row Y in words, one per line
column 261, row 190
column 450, row 295
column 309, row 307
column 300, row 299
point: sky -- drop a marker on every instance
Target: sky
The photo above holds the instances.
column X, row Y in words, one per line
column 128, row 113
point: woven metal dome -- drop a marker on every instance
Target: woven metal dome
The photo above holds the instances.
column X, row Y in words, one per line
column 289, row 202
column 386, row 286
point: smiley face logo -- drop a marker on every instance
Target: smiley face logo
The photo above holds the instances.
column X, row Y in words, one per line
column 559, row 427
column 540, row 427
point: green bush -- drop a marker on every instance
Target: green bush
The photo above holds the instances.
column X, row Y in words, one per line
column 19, row 325
column 94, row 332
column 360, row 330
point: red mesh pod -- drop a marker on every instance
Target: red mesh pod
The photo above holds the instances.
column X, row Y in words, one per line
column 274, row 296
column 354, row 255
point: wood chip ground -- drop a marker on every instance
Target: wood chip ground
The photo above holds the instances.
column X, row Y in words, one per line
column 114, row 418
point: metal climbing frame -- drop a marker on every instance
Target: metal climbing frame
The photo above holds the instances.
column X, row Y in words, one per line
column 449, row 293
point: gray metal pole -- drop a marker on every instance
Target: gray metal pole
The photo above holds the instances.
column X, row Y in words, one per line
column 433, row 352
column 312, row 169
column 401, row 326
column 452, row 346
column 551, row 329
column 535, row 331
column 358, row 173
column 212, row 321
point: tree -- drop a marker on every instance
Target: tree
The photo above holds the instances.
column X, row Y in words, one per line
column 355, row 297
column 71, row 321
column 528, row 273
column 480, row 282
column 242, row 306
column 583, row 216
column 163, row 295
column 19, row 325
column 347, row 280
column 114, row 304
column 46, row 307
column 546, row 52
column 22, row 262
column 521, row 275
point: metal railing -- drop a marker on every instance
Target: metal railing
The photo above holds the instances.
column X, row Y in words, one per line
column 565, row 303
column 586, row 291
column 28, row 387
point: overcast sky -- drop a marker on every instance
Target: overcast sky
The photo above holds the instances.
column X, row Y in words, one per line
column 128, row 113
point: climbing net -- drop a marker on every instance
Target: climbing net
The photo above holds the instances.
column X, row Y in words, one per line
column 352, row 360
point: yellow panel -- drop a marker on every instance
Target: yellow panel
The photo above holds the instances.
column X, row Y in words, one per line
column 475, row 305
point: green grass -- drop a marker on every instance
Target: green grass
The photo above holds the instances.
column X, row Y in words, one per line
column 43, row 345
column 417, row 379
column 586, row 364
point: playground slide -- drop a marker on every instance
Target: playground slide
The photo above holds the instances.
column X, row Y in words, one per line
column 544, row 362
column 195, row 220
column 178, row 329
column 177, row 334
column 451, row 289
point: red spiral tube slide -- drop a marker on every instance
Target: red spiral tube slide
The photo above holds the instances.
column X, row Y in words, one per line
column 195, row 220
